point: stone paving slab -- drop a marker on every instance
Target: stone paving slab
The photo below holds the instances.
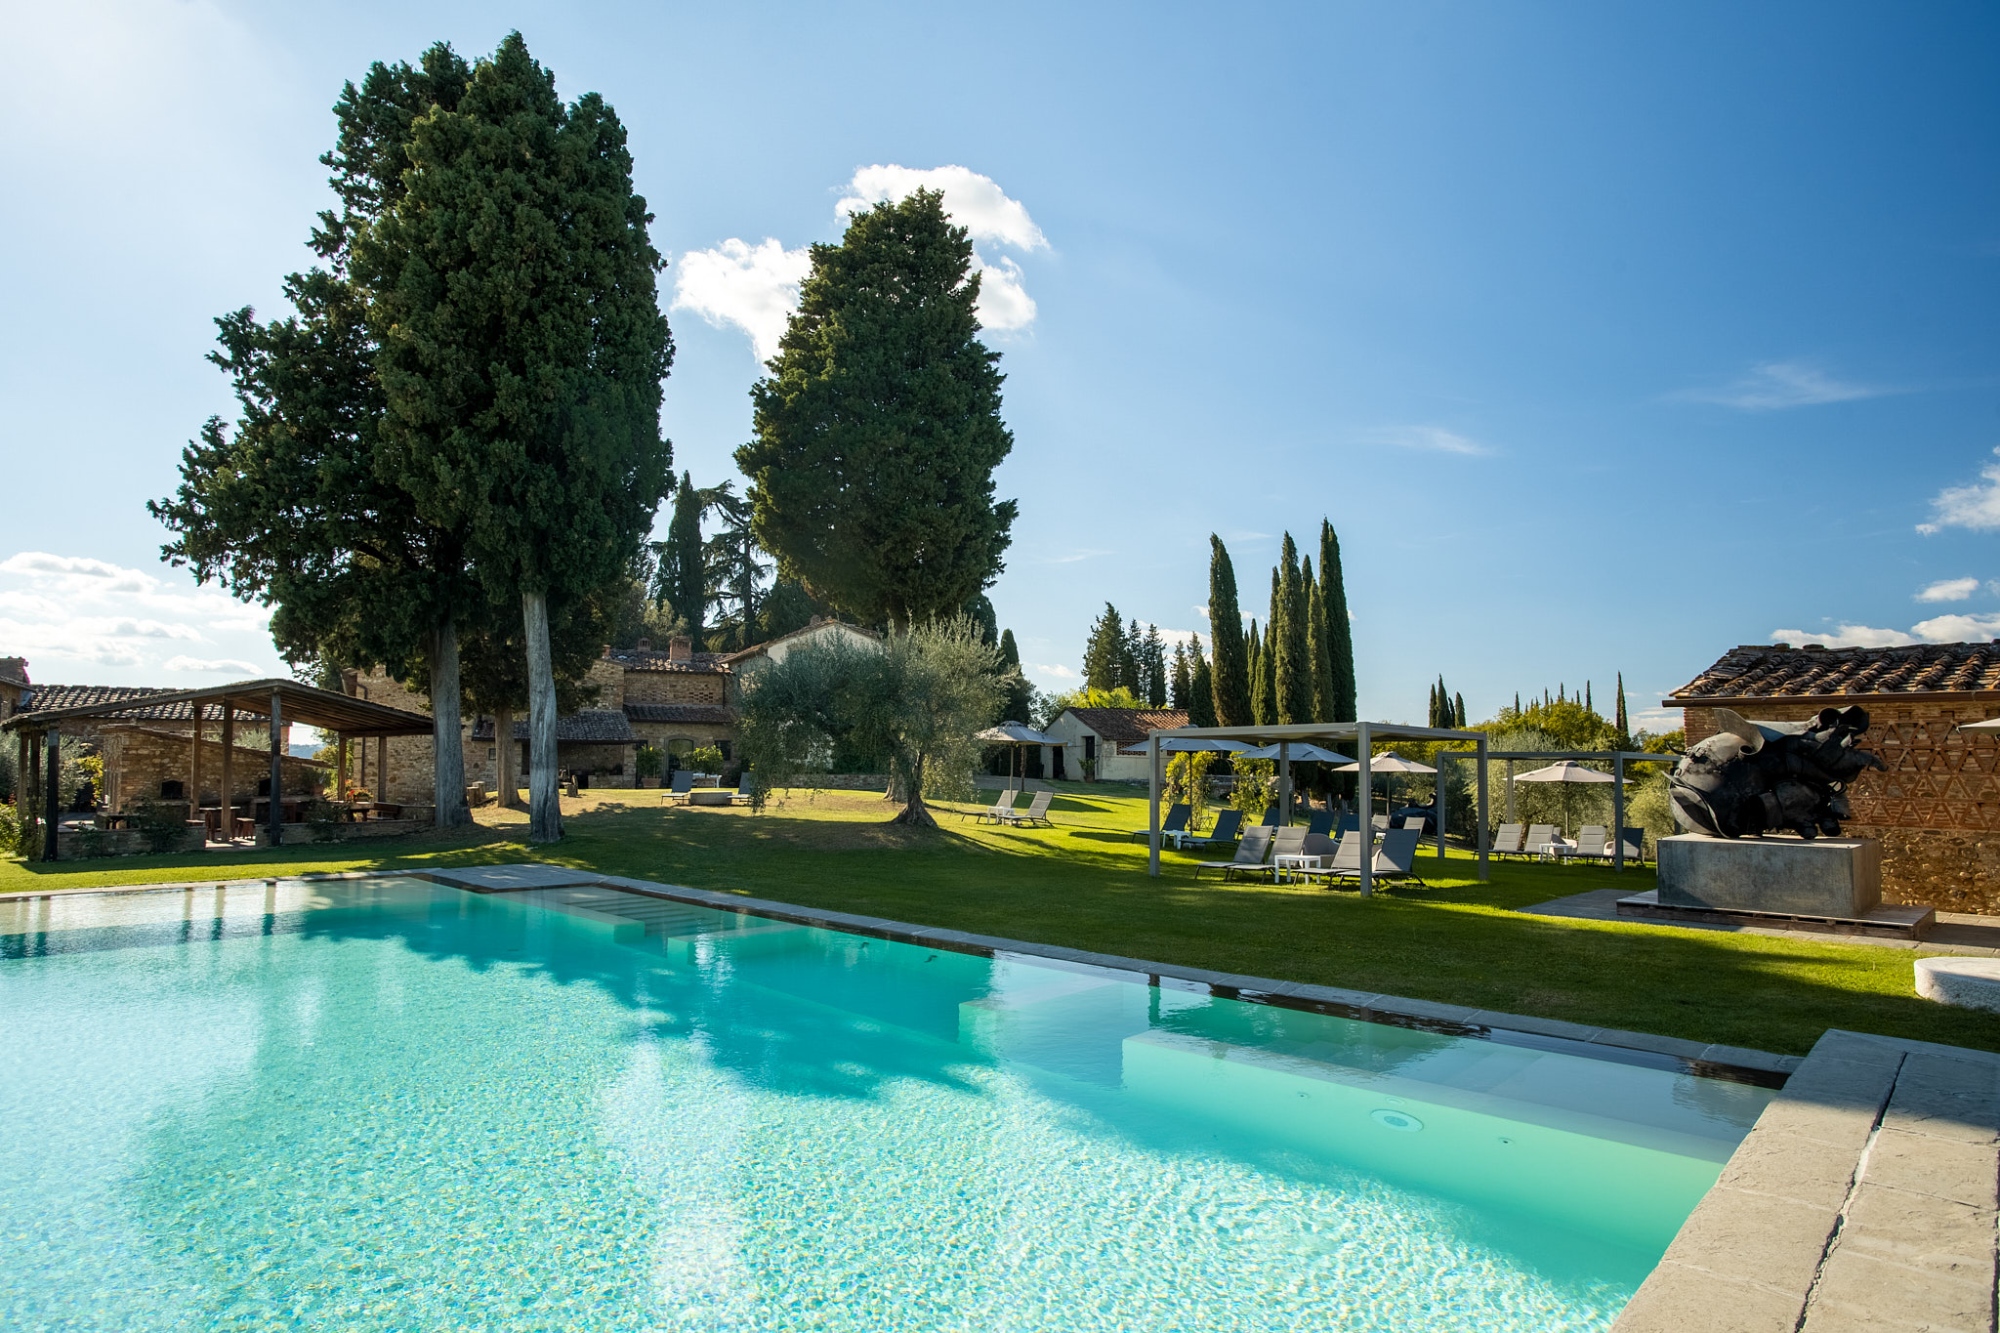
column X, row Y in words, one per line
column 1954, row 933
column 501, row 879
column 1865, row 1197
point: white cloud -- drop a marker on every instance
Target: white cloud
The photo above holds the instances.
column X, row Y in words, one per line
column 1003, row 302
column 1776, row 385
column 228, row 664
column 67, row 612
column 1975, row 506
column 1845, row 636
column 975, row 202
column 1056, row 669
column 1430, row 439
column 1958, row 628
column 1657, row 720
column 753, row 287
column 1949, row 590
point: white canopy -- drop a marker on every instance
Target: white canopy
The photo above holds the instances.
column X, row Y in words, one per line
column 1183, row 744
column 1388, row 763
column 1302, row 752
column 1566, row 771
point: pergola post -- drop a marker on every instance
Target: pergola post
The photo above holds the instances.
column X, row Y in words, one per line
column 275, row 823
column 1485, row 837
column 1437, row 799
column 30, row 800
column 1153, row 803
column 381, row 769
column 340, row 766
column 1284, row 784
column 228, row 794
column 194, row 761
column 1362, row 756
column 1510, row 791
column 51, row 793
column 1618, row 813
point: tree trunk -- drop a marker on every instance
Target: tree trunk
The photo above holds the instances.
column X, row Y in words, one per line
column 914, row 812
column 544, row 800
column 448, row 770
column 507, row 761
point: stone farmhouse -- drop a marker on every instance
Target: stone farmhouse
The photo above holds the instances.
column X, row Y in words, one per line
column 675, row 701
column 1108, row 744
column 1937, row 809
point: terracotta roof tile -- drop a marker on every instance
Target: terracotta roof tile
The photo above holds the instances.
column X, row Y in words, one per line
column 1773, row 671
column 93, row 696
column 712, row 714
column 1127, row 726
column 647, row 659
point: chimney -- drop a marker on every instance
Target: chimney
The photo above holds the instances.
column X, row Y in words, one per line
column 680, row 648
column 815, row 622
column 645, row 645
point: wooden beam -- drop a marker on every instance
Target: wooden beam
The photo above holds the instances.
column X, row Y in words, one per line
column 194, row 765
column 228, row 801
column 276, row 810
column 340, row 766
column 52, row 795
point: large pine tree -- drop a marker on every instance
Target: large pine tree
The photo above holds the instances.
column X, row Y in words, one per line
column 1155, row 668
column 1201, row 686
column 1230, row 668
column 1104, row 652
column 1177, row 693
column 877, row 426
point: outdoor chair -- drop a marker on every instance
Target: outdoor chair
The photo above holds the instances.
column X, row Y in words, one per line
column 1539, row 836
column 1226, row 825
column 1270, row 818
column 1349, row 823
column 1413, row 821
column 678, row 793
column 1286, row 840
column 1381, row 823
column 1345, row 863
column 746, row 791
column 999, row 809
column 1036, row 813
column 1175, row 822
column 1250, row 853
column 1591, row 845
column 1398, row 857
column 1321, row 823
column 1635, row 844
column 1506, row 841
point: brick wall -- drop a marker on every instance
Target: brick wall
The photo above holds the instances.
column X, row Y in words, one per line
column 138, row 759
column 1937, row 809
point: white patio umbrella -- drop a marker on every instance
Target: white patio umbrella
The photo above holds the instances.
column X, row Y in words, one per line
column 1185, row 744
column 1570, row 771
column 1302, row 752
column 1384, row 763
column 1015, row 734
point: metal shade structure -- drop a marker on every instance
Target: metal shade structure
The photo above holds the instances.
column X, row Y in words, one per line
column 1387, row 763
column 1566, row 771
column 1186, row 745
column 1361, row 735
column 1015, row 735
column 1618, row 759
column 1303, row 753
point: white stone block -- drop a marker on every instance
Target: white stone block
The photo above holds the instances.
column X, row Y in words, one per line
column 1969, row 983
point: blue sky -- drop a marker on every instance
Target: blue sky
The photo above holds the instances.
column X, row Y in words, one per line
column 1608, row 337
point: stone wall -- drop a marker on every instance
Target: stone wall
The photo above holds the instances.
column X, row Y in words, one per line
column 664, row 736
column 412, row 759
column 1937, row 809
column 674, row 687
column 138, row 759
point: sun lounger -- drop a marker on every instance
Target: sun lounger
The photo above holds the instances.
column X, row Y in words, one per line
column 683, row 783
column 746, row 791
column 1349, row 823
column 1539, row 836
column 1413, row 821
column 1591, row 845
column 1285, row 841
column 1635, row 845
column 1175, row 822
column 1036, row 813
column 1250, row 853
column 1226, row 825
column 996, row 812
column 1321, row 823
column 1506, row 841
column 1345, row 862
column 1270, row 819
column 1395, row 857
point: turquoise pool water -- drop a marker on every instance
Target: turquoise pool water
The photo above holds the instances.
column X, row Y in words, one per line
column 389, row 1105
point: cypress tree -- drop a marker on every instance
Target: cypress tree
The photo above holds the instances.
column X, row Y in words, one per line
column 1458, row 711
column 1588, row 706
column 1294, row 692
column 1019, row 697
column 1623, row 723
column 1201, row 686
column 1229, row 671
column 683, row 576
column 1260, row 686
column 1132, row 660
column 1316, row 650
column 1103, row 655
column 877, row 426
column 1339, row 631
column 1267, row 679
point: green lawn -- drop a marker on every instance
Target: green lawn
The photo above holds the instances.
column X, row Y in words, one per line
column 1084, row 884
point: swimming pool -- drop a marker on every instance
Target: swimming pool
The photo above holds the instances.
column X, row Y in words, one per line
column 387, row 1104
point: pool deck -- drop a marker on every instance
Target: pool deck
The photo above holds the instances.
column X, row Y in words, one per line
column 1863, row 1198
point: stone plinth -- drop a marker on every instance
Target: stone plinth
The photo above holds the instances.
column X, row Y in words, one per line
column 1827, row 877
column 1971, row 983
column 711, row 796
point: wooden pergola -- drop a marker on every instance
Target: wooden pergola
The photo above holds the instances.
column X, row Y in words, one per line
column 278, row 702
column 1362, row 735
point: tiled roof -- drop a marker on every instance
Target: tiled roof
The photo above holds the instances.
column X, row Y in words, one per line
column 1774, row 671
column 1127, row 726
column 591, row 726
column 94, row 696
column 710, row 714
column 648, row 659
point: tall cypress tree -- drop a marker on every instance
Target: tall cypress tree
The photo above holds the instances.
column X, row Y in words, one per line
column 1260, row 688
column 1018, row 697
column 1132, row 659
column 1623, row 723
column 1201, row 686
column 1458, row 711
column 1339, row 631
column 1230, row 668
column 683, row 575
column 1293, row 694
column 877, row 426
column 1316, row 651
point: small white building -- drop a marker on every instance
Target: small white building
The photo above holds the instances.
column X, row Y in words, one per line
column 1108, row 744
column 822, row 631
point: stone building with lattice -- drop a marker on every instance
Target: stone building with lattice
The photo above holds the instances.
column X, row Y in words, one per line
column 1937, row 808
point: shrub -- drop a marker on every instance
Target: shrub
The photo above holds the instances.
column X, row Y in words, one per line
column 1256, row 786
column 161, row 824
column 646, row 763
column 1187, row 781
column 10, row 830
column 705, row 758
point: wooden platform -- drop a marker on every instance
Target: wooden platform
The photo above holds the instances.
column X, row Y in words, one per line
column 1886, row 922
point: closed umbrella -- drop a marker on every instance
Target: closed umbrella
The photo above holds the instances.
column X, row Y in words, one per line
column 1015, row 734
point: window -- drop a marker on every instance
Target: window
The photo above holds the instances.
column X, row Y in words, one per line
column 1090, row 749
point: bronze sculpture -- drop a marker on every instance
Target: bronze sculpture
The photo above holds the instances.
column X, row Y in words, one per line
column 1758, row 777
